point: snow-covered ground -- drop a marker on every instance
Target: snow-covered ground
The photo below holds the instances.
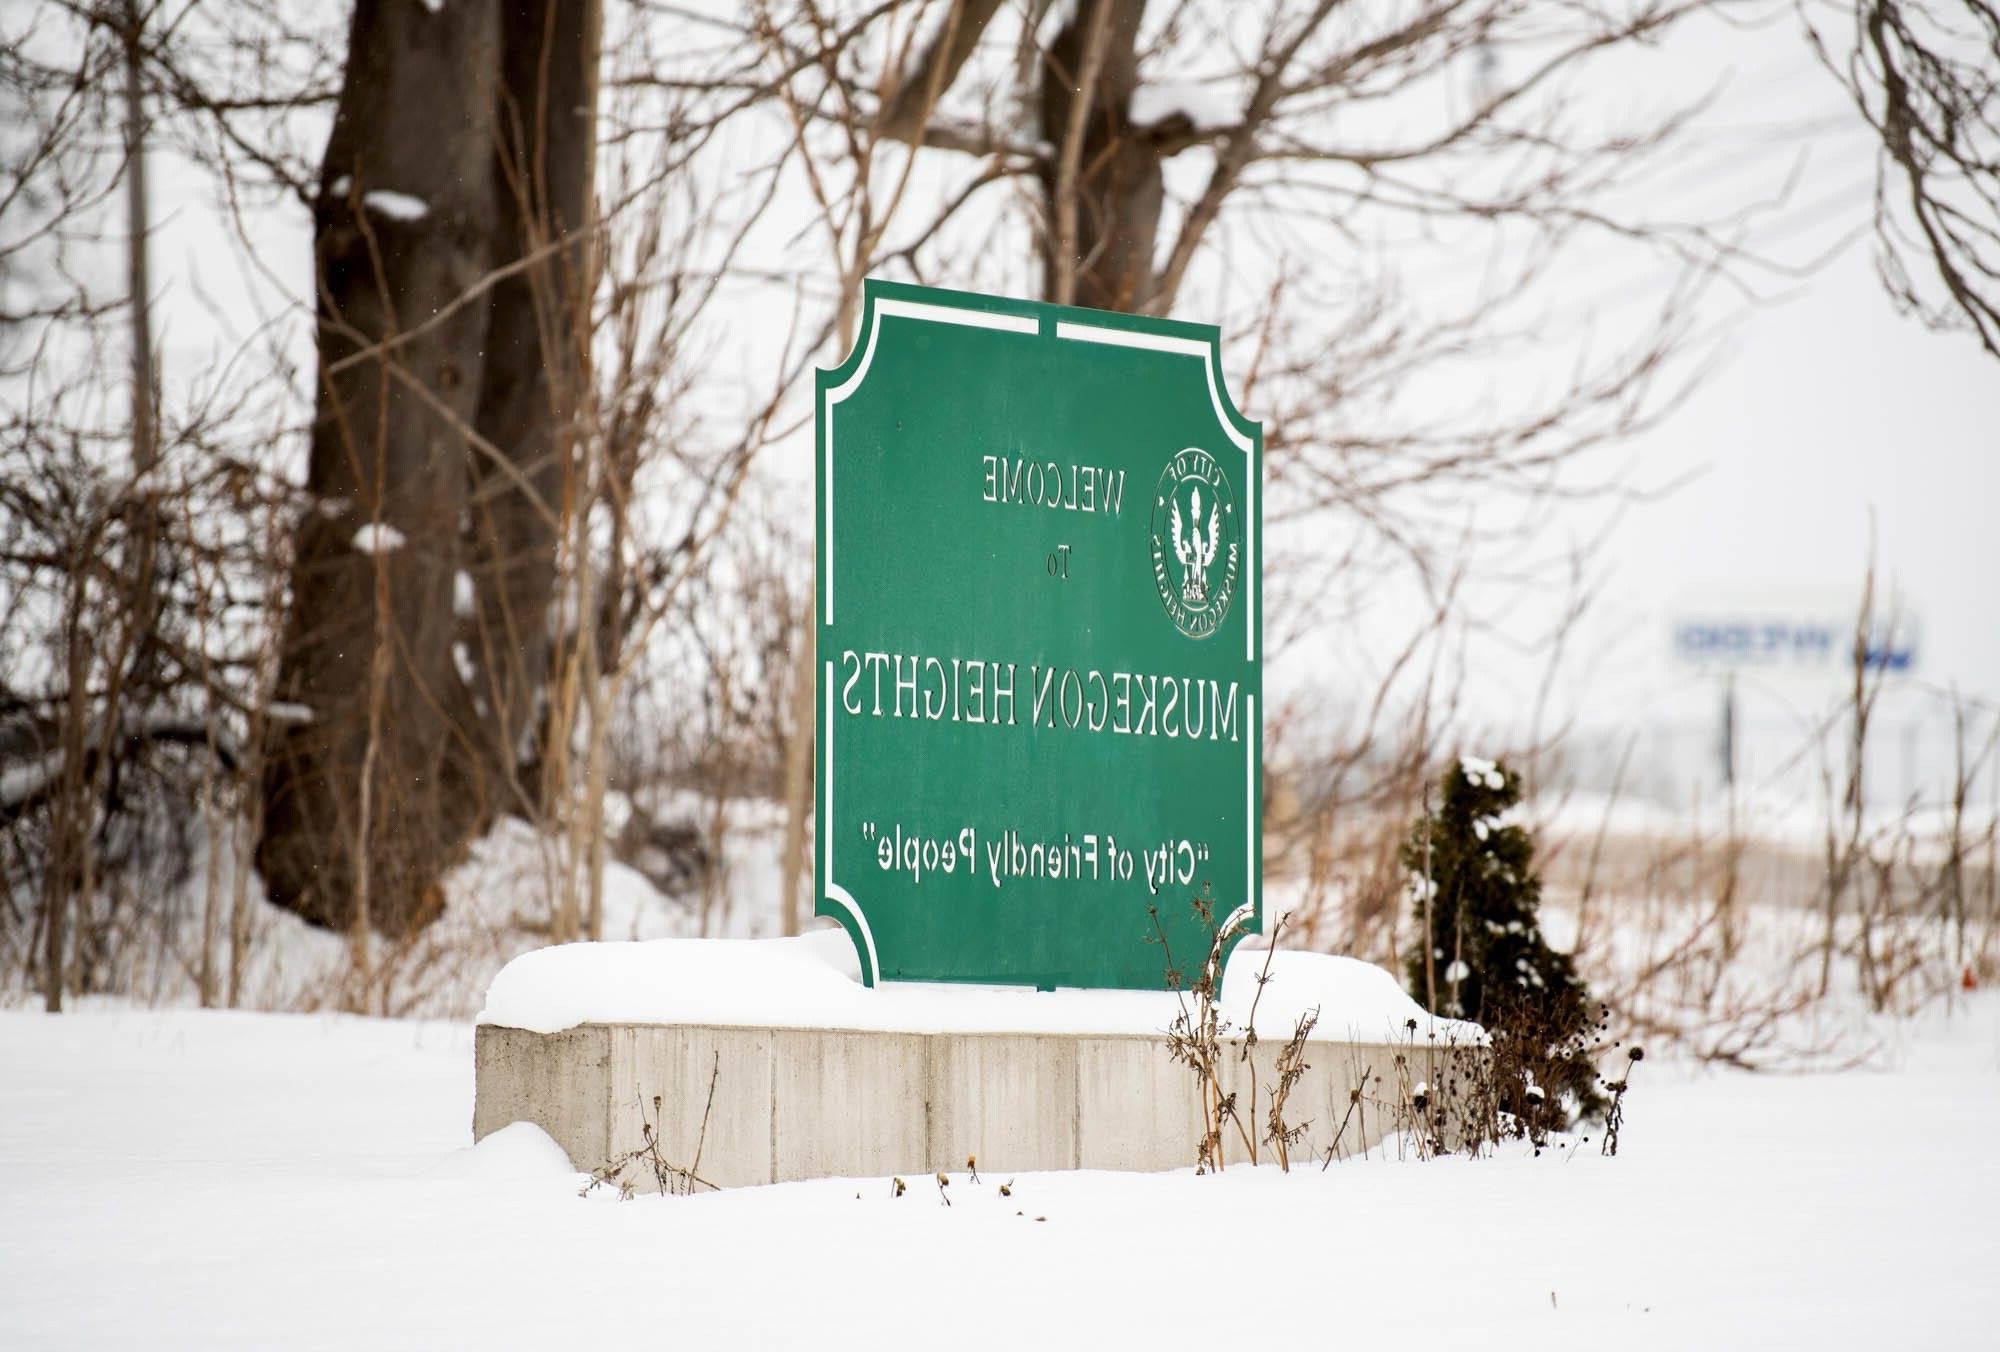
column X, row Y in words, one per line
column 498, row 906
column 202, row 1180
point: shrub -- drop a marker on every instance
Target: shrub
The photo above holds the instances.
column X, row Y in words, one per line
column 1477, row 895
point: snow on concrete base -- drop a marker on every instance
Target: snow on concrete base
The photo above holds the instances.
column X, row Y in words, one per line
column 769, row 1061
column 814, row 981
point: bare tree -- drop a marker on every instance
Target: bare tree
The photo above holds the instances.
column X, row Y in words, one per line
column 1379, row 203
column 1925, row 77
column 451, row 225
column 529, row 534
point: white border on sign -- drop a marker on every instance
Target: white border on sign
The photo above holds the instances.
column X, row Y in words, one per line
column 1073, row 331
column 835, row 892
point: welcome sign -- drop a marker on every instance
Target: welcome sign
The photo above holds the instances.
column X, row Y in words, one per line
column 1039, row 656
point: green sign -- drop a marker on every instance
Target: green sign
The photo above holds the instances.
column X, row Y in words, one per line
column 1039, row 652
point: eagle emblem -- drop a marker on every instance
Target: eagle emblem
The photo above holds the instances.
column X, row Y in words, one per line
column 1194, row 552
column 1195, row 542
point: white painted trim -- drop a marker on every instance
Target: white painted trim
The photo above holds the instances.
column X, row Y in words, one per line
column 1242, row 442
column 1251, row 844
column 841, row 897
column 1151, row 342
column 826, row 807
column 1250, row 563
column 826, row 527
column 946, row 314
column 834, row 396
column 839, row 393
column 836, row 893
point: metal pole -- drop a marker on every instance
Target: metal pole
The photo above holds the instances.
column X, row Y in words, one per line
column 1728, row 745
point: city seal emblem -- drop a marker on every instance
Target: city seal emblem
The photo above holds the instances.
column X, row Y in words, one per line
column 1197, row 542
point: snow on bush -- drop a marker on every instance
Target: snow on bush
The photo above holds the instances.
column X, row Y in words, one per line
column 1483, row 955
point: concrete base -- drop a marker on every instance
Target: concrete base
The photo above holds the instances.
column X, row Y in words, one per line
column 793, row 1103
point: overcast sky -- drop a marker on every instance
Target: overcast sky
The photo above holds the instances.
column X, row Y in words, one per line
column 1831, row 415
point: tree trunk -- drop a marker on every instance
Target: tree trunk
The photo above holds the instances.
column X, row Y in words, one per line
column 138, row 219
column 1114, row 192
column 537, row 359
column 402, row 228
column 462, row 141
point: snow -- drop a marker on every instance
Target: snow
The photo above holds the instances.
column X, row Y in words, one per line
column 1355, row 1000
column 207, row 1180
column 521, row 1150
column 1773, row 818
column 1207, row 106
column 1478, row 770
column 498, row 904
column 397, row 206
column 814, row 981
column 376, row 538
